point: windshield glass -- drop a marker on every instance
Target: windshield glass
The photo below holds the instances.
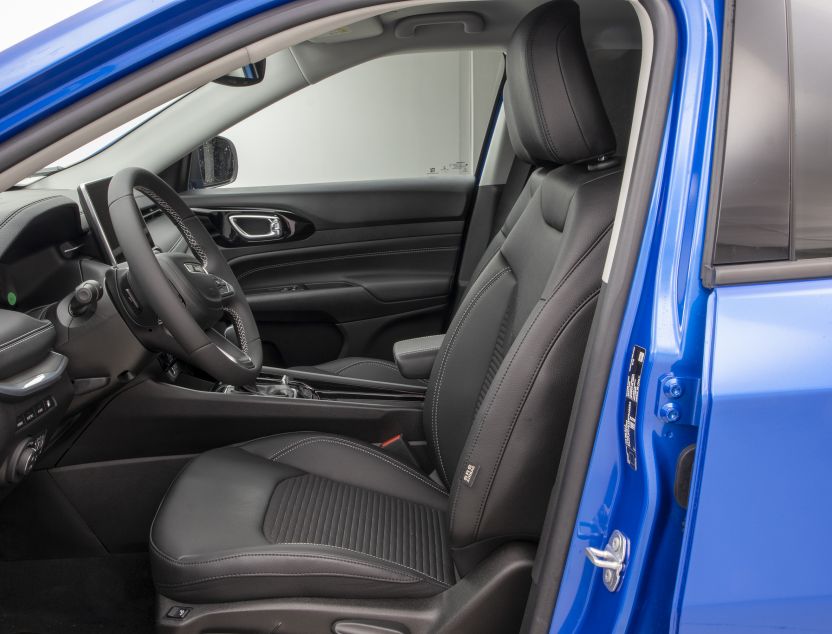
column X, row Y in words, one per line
column 94, row 146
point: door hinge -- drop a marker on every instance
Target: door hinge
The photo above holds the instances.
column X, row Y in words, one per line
column 612, row 560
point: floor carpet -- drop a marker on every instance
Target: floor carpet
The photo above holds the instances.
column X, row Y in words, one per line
column 112, row 594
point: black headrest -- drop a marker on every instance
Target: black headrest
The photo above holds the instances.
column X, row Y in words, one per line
column 553, row 109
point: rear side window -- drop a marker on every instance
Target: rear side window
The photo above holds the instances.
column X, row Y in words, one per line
column 811, row 47
column 775, row 202
column 403, row 116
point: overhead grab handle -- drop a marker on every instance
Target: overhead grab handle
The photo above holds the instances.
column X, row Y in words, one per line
column 471, row 22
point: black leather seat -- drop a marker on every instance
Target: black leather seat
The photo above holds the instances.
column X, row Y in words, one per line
column 316, row 515
column 301, row 515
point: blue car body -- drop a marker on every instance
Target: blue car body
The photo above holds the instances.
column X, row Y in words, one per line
column 752, row 360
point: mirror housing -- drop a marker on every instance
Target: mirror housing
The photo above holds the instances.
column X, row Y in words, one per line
column 248, row 75
column 212, row 164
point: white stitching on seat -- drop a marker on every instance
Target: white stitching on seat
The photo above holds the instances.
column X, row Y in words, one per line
column 455, row 486
column 359, row 552
column 346, row 575
column 401, row 573
column 357, row 447
column 11, row 343
column 443, row 364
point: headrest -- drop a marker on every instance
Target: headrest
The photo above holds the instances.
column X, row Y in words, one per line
column 553, row 109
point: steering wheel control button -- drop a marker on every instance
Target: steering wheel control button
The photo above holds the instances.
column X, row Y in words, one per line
column 131, row 299
column 178, row 612
column 226, row 290
column 193, row 267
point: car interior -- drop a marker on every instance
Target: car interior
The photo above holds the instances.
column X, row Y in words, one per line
column 245, row 387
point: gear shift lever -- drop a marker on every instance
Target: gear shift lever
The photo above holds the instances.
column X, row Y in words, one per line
column 279, row 389
column 273, row 389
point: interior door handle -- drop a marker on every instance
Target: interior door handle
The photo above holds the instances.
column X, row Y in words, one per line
column 257, row 226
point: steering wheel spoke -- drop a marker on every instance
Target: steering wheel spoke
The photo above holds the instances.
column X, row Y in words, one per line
column 228, row 349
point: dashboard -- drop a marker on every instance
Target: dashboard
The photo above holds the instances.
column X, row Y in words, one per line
column 93, row 199
column 56, row 362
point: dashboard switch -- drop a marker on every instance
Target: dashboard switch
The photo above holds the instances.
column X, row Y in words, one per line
column 25, row 461
column 35, row 412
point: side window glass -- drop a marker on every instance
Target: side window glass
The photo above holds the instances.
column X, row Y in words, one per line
column 402, row 116
column 812, row 151
column 754, row 201
column 776, row 198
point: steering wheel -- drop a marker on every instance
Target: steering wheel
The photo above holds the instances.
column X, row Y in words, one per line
column 189, row 292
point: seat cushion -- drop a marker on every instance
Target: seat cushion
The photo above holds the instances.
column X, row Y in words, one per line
column 307, row 514
column 364, row 368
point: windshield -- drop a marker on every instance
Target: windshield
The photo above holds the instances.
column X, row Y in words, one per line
column 94, row 146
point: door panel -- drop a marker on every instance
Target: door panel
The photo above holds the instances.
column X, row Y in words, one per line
column 374, row 263
column 763, row 475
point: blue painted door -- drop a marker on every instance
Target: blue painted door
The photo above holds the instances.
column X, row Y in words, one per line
column 755, row 557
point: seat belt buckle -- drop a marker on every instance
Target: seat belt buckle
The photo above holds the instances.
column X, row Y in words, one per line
column 398, row 448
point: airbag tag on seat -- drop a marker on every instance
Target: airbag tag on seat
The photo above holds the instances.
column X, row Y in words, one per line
column 631, row 404
column 470, row 474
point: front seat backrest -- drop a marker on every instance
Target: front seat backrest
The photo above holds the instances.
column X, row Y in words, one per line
column 502, row 386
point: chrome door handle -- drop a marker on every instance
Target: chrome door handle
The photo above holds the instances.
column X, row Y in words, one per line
column 272, row 226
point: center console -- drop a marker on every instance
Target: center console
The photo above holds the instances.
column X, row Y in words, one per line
column 301, row 384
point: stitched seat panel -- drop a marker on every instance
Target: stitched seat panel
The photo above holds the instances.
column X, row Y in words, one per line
column 310, row 509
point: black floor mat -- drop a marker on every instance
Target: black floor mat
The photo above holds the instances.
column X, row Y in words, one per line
column 112, row 594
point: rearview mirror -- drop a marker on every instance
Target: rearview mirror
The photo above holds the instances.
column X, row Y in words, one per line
column 248, row 75
column 213, row 163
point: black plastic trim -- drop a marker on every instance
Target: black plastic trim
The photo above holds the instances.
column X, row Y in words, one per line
column 728, row 274
column 754, row 272
column 708, row 272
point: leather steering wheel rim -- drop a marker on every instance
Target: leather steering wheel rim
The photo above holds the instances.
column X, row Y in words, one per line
column 201, row 346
